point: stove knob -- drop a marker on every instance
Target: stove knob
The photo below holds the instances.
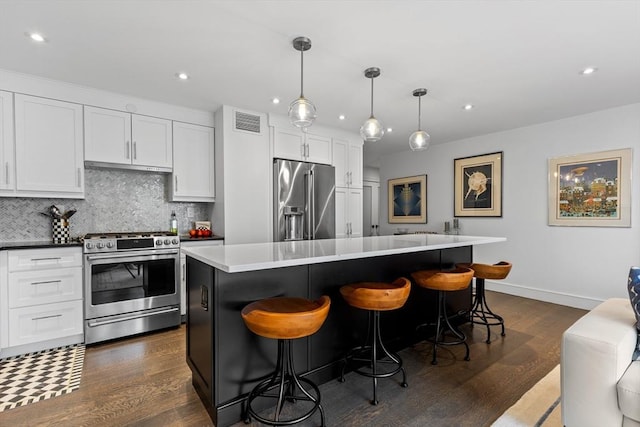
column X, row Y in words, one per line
column 167, row 241
column 89, row 245
column 110, row 244
column 175, row 241
column 159, row 242
column 100, row 245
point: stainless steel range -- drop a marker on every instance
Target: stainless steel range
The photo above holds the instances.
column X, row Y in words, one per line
column 131, row 283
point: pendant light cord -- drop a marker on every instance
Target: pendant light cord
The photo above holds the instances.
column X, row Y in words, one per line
column 371, row 96
column 419, row 112
column 301, row 73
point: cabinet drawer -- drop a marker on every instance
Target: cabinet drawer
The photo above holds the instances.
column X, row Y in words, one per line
column 44, row 286
column 45, row 322
column 38, row 259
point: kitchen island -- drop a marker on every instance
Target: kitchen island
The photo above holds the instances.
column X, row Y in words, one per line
column 227, row 360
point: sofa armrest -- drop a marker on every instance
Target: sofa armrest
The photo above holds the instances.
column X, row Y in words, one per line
column 595, row 352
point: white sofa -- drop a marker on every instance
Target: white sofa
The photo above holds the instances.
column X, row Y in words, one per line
column 600, row 383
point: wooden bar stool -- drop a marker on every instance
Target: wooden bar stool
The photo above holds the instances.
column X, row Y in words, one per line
column 480, row 312
column 375, row 297
column 443, row 282
column 285, row 319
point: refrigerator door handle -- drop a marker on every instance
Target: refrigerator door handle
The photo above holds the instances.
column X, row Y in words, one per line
column 312, row 205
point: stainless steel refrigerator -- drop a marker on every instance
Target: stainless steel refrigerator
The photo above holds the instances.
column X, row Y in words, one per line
column 304, row 201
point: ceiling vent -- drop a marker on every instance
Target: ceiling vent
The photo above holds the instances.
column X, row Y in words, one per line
column 247, row 122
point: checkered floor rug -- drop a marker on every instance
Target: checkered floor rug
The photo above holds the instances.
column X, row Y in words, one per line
column 37, row 376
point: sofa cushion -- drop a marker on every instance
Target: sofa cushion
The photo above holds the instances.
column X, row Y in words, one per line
column 634, row 298
column 629, row 392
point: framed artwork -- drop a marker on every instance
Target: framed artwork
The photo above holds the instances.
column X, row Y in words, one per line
column 408, row 200
column 477, row 186
column 591, row 190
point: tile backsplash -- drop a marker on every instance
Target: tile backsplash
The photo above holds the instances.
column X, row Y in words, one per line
column 115, row 200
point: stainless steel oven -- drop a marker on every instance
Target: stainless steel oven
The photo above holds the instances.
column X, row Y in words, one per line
column 131, row 284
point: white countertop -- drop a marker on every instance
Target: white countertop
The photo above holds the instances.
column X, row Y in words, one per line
column 262, row 256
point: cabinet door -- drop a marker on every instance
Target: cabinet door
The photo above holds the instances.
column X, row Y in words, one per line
column 355, row 164
column 152, row 142
column 49, row 146
column 7, row 173
column 318, row 149
column 340, row 159
column 355, row 212
column 289, row 144
column 193, row 163
column 342, row 228
column 107, row 136
column 45, row 322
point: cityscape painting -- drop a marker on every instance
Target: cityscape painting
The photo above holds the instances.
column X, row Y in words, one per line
column 591, row 189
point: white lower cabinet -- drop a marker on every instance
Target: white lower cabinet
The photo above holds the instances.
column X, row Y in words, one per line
column 348, row 212
column 41, row 306
column 44, row 322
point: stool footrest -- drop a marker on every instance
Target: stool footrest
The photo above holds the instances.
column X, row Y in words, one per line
column 481, row 314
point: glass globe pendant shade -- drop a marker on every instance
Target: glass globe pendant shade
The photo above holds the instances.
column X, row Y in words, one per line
column 372, row 130
column 419, row 140
column 302, row 112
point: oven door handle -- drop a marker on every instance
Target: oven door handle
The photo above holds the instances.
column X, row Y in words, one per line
column 130, row 254
column 149, row 313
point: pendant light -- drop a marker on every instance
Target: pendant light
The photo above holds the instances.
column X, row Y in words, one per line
column 419, row 140
column 302, row 112
column 372, row 130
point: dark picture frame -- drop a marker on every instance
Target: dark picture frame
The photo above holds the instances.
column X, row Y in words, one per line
column 408, row 200
column 477, row 184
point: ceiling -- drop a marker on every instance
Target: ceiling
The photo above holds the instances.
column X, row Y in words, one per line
column 517, row 62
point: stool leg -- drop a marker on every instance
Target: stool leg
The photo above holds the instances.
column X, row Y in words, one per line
column 286, row 380
column 370, row 350
column 440, row 329
column 482, row 314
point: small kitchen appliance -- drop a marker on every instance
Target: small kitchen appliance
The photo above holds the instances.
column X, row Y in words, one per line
column 131, row 283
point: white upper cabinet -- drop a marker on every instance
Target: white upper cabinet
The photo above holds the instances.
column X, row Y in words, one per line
column 347, row 159
column 127, row 140
column 152, row 141
column 293, row 144
column 107, row 136
column 48, row 148
column 193, row 178
column 7, row 173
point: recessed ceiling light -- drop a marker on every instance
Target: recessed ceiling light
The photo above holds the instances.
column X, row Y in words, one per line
column 468, row 106
column 275, row 101
column 588, row 70
column 36, row 37
column 182, row 76
column 389, row 129
column 341, row 117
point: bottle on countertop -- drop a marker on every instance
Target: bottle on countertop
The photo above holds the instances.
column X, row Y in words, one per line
column 173, row 223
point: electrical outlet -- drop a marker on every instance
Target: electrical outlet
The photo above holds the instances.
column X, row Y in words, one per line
column 190, row 212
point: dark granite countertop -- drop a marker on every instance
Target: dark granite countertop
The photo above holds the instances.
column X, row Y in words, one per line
column 37, row 244
column 187, row 238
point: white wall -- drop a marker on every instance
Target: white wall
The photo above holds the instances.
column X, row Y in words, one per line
column 243, row 180
column 575, row 266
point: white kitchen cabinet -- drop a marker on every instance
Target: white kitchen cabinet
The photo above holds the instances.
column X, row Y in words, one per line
column 107, row 136
column 183, row 269
column 48, row 148
column 347, row 159
column 293, row 144
column 193, row 176
column 41, row 306
column 122, row 139
column 7, row 174
column 348, row 212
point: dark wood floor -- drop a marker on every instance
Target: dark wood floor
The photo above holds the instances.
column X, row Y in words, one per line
column 144, row 381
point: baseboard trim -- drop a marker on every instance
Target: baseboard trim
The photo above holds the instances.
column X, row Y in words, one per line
column 576, row 301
